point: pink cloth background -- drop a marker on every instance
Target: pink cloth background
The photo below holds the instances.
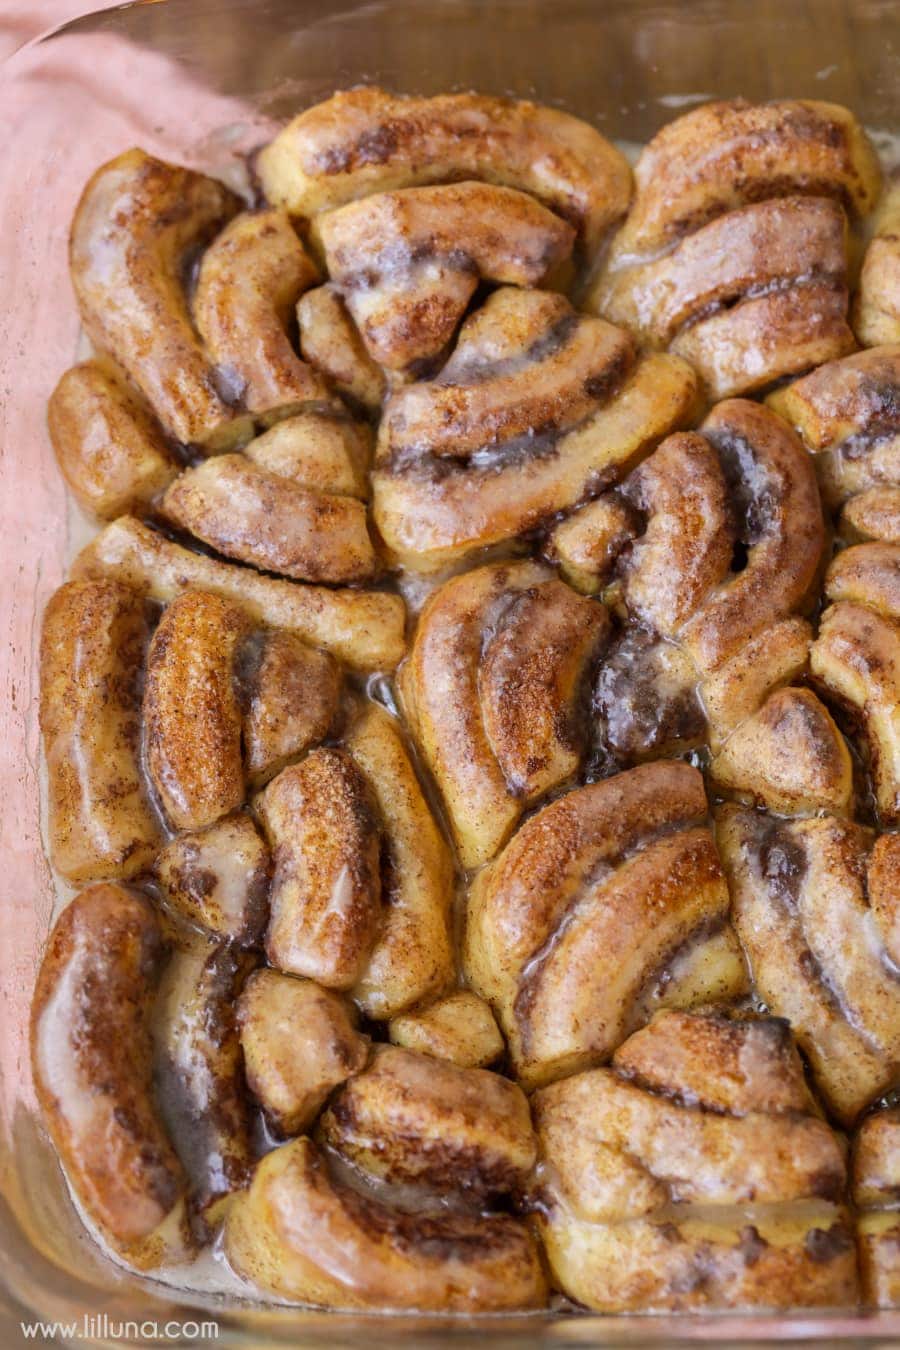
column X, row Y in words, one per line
column 65, row 108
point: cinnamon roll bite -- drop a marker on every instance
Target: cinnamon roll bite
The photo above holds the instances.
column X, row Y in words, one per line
column 693, row 1173
column 734, row 253
column 821, row 953
column 536, row 408
column 494, row 688
column 608, row 903
column 876, row 1193
column 328, row 1225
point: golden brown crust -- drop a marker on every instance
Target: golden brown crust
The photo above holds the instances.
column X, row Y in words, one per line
column 137, row 219
column 591, row 913
column 365, row 629
column 868, row 574
column 318, row 450
column 92, row 1061
column 323, row 827
column 299, row 1042
column 93, row 642
column 492, row 688
column 192, row 718
column 408, row 262
column 305, row 1235
column 430, row 519
column 846, row 413
column 876, row 1190
column 412, row 957
column 692, row 1188
column 815, row 951
column 110, row 449
column 218, row 878
column 855, row 660
column 254, row 516
column 366, row 140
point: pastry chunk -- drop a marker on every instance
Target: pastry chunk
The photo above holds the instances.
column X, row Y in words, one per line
column 876, row 1189
column 877, row 313
column 818, row 952
column 694, row 1173
column 606, row 904
column 495, row 688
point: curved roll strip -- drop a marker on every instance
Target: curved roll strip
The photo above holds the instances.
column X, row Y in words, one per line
column 526, row 364
column 198, row 1073
column 606, row 903
column 856, row 660
column 723, row 259
column 366, row 140
column 93, row 643
column 363, row 628
column 92, row 1060
column 693, row 1174
column 111, row 451
column 137, row 221
column 868, row 574
column 815, row 949
column 493, row 688
column 249, row 282
column 725, row 155
column 304, row 1234
column 877, row 311
column 876, row 1184
column 407, row 263
column 192, row 717
column 763, row 246
column 247, row 513
column 412, row 957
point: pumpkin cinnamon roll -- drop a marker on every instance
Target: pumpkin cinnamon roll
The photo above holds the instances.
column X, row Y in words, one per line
column 693, row 1173
column 495, row 689
column 397, row 1209
column 608, row 903
column 814, row 904
column 734, row 253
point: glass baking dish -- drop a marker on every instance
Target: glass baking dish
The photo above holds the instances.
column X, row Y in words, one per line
column 199, row 81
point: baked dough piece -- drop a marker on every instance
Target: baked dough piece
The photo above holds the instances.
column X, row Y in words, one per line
column 537, row 408
column 876, row 1190
column 722, row 261
column 348, row 1240
column 495, row 691
column 605, row 905
column 877, row 311
column 814, row 904
column 694, row 1173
